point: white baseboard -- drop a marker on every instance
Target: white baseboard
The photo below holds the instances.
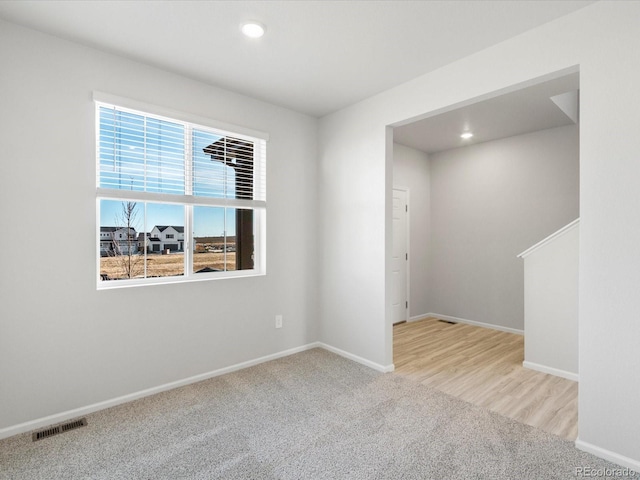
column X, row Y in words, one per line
column 469, row 322
column 552, row 371
column 608, row 455
column 355, row 358
column 79, row 412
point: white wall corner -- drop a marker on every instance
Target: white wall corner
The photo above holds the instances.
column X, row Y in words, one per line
column 609, row 455
column 376, row 366
column 569, row 103
column 551, row 371
column 491, row 326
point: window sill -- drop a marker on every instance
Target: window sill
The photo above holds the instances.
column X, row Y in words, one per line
column 205, row 277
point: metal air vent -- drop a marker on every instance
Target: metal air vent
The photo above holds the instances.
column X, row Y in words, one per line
column 65, row 427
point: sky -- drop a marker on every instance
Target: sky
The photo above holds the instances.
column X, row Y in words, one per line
column 207, row 221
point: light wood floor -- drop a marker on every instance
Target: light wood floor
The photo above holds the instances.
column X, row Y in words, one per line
column 484, row 367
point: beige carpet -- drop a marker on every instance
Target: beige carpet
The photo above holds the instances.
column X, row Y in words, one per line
column 313, row 415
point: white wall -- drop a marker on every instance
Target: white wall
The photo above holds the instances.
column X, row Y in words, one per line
column 64, row 345
column 353, row 237
column 551, row 304
column 355, row 201
column 489, row 202
column 411, row 169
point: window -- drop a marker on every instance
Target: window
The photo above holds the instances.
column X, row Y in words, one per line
column 176, row 201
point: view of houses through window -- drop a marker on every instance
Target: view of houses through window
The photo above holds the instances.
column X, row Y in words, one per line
column 131, row 247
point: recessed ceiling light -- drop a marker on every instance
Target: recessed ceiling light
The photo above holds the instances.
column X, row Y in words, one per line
column 466, row 135
column 252, row 29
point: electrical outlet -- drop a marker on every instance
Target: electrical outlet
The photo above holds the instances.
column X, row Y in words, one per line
column 278, row 321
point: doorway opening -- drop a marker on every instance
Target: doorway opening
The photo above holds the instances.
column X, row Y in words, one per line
column 491, row 195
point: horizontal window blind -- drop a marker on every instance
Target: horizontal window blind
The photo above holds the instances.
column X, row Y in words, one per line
column 141, row 153
column 144, row 153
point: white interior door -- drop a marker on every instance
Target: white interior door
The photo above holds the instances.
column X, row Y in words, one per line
column 400, row 257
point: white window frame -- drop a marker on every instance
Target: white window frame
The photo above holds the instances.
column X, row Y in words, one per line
column 259, row 207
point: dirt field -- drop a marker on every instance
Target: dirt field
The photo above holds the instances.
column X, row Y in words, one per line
column 164, row 265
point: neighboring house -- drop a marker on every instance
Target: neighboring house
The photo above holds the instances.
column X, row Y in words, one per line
column 166, row 237
column 161, row 238
column 114, row 240
column 143, row 241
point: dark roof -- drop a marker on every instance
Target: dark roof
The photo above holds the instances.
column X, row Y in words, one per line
column 208, row 269
column 227, row 148
column 162, row 228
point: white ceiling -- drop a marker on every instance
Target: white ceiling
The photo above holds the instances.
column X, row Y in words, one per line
column 316, row 57
column 523, row 111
